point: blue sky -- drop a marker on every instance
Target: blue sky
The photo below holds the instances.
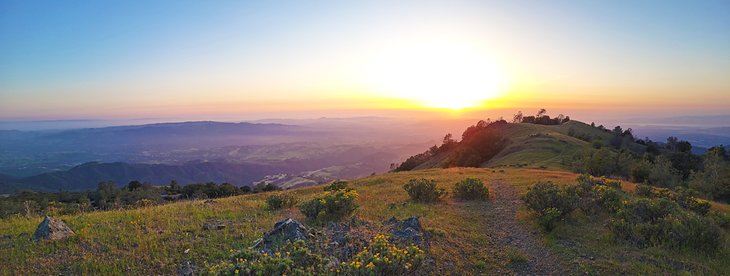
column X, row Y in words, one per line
column 100, row 59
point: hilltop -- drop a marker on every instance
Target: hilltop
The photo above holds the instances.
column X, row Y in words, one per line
column 502, row 144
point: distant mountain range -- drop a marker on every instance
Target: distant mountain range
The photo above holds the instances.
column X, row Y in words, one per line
column 87, row 176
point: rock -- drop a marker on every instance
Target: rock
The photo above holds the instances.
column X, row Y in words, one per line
column 407, row 230
column 285, row 230
column 186, row 269
column 213, row 226
column 52, row 229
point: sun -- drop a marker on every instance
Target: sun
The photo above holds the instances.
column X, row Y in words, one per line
column 438, row 75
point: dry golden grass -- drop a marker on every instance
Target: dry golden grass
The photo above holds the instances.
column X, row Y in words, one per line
column 153, row 240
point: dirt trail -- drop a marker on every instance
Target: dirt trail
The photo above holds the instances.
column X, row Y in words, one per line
column 506, row 232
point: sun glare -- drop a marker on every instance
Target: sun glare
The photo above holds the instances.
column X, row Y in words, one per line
column 438, row 75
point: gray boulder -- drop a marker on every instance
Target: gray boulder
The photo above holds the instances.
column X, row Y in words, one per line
column 52, row 229
column 407, row 230
column 285, row 230
column 187, row 269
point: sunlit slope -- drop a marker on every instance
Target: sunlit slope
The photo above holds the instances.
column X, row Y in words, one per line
column 465, row 234
column 544, row 145
column 535, row 145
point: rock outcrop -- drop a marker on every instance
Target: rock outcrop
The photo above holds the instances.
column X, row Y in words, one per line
column 285, row 230
column 408, row 230
column 52, row 229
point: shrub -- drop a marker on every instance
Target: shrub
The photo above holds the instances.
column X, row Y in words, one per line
column 640, row 171
column 471, row 189
column 424, row 190
column 597, row 144
column 293, row 259
column 587, row 182
column 653, row 222
column 609, row 198
column 697, row 205
column 282, row 200
column 550, row 202
column 549, row 218
column 330, row 205
column 644, row 190
column 588, row 205
column 382, row 257
column 336, row 185
column 722, row 219
column 684, row 197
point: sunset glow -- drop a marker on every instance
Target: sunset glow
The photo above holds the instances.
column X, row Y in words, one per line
column 438, row 75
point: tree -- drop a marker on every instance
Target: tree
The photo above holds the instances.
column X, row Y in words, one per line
column 672, row 143
column 448, row 143
column 640, row 171
column 720, row 151
column 448, row 139
column 664, row 174
column 147, row 186
column 107, row 195
column 712, row 181
column 540, row 112
column 247, row 189
column 134, row 185
column 227, row 189
column 684, row 146
column 517, row 118
column 174, row 187
column 617, row 130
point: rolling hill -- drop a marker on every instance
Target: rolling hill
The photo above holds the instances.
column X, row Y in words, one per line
column 525, row 144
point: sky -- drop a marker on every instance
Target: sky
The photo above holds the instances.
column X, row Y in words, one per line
column 83, row 60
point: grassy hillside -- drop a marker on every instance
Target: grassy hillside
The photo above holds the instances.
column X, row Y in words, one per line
column 533, row 145
column 495, row 237
column 544, row 145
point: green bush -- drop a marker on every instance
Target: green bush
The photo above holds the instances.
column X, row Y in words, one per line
column 597, row 144
column 549, row 218
column 330, row 205
column 644, row 190
column 653, row 222
column 589, row 205
column 336, row 185
column 551, row 203
column 281, row 200
column 382, row 257
column 424, row 190
column 684, row 197
column 640, row 171
column 587, row 182
column 471, row 189
column 697, row 205
column 292, row 259
column 608, row 198
column 722, row 219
